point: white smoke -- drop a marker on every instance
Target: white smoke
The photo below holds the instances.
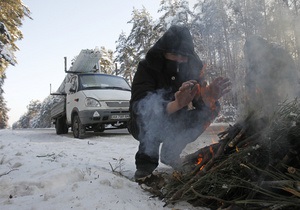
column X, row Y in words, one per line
column 271, row 76
column 174, row 131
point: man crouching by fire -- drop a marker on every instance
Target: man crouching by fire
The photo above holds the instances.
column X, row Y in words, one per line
column 170, row 103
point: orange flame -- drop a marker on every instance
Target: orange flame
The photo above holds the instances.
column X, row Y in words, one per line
column 211, row 150
column 200, row 158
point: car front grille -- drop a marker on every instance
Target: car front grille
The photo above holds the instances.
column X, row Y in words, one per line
column 117, row 103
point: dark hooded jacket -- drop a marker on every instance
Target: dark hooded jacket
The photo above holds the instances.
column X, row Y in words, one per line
column 152, row 73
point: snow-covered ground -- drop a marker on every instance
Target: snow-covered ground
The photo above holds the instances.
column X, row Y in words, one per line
column 41, row 170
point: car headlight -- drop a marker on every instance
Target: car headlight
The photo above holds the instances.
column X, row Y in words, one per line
column 91, row 102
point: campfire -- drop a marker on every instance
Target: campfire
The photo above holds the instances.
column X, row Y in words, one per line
column 254, row 165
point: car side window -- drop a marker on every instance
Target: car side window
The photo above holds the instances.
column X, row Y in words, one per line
column 74, row 83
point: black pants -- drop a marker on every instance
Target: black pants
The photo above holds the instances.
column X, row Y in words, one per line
column 148, row 156
column 174, row 135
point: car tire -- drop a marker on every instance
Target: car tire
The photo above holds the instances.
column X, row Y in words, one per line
column 61, row 126
column 78, row 128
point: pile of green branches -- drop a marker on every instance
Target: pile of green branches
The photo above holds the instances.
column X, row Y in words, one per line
column 255, row 165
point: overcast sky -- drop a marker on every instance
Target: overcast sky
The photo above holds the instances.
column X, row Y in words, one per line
column 62, row 28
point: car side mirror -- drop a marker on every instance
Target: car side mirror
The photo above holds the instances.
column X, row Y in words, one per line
column 69, row 88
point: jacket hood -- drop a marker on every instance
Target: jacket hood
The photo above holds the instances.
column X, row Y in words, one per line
column 177, row 39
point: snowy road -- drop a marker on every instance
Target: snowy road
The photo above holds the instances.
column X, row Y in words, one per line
column 41, row 170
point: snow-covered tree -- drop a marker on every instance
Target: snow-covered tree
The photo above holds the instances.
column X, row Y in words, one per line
column 210, row 26
column 38, row 113
column 106, row 61
column 6, row 55
column 123, row 58
column 174, row 12
column 130, row 50
column 220, row 29
column 43, row 117
column 12, row 14
column 140, row 37
column 3, row 107
column 27, row 119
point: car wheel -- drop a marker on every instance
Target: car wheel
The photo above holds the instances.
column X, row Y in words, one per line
column 78, row 128
column 61, row 126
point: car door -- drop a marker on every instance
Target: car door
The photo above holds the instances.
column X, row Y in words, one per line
column 72, row 97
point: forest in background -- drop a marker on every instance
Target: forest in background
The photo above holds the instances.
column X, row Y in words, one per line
column 219, row 29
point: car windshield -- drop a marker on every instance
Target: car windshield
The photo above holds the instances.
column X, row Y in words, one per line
column 100, row 81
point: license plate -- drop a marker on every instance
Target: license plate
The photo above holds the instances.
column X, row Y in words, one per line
column 120, row 117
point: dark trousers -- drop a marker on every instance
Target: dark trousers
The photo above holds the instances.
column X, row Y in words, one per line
column 172, row 143
column 174, row 136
